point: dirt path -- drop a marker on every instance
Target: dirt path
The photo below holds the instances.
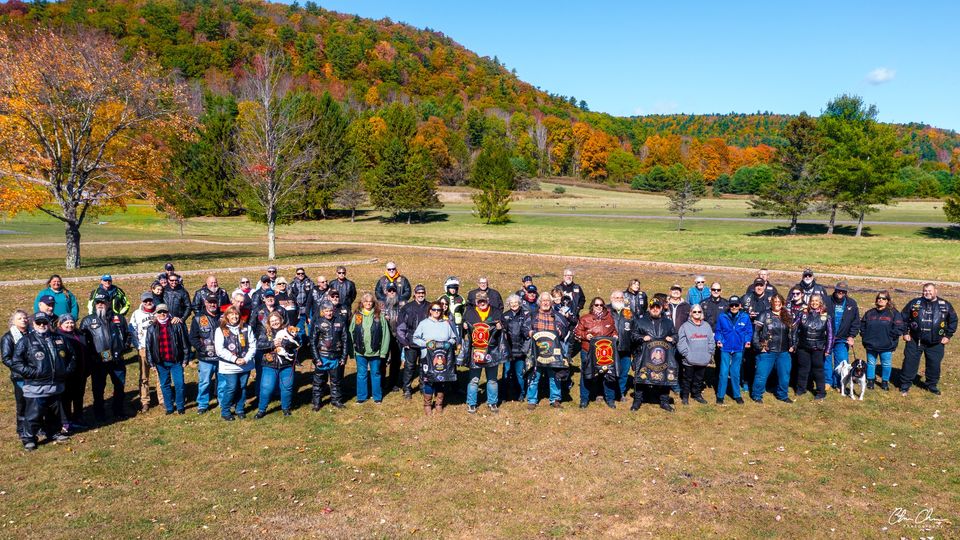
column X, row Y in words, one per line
column 787, row 275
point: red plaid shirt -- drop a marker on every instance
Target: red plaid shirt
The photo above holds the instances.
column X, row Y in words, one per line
column 164, row 346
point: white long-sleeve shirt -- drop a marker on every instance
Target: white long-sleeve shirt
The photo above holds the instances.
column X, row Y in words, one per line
column 139, row 322
column 228, row 359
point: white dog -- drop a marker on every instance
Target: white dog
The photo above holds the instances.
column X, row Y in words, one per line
column 288, row 343
column 851, row 374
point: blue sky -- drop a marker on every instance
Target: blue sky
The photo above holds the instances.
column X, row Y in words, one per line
column 642, row 57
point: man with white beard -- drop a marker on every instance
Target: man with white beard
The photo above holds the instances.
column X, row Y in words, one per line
column 623, row 318
column 107, row 337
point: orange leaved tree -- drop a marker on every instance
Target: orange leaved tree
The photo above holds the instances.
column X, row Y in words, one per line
column 82, row 125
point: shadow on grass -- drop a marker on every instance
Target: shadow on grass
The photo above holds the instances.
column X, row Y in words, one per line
column 810, row 229
column 941, row 233
column 417, row 217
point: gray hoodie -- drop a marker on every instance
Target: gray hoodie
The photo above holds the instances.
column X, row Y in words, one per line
column 695, row 343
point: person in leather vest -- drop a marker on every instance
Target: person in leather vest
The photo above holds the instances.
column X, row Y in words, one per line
column 43, row 360
column 202, row 329
column 19, row 326
column 328, row 341
column 410, row 316
column 236, row 346
column 623, row 316
column 931, row 322
column 107, row 338
column 653, row 326
column 812, row 336
column 598, row 322
column 277, row 346
column 211, row 287
column 370, row 341
column 635, row 299
column 346, row 288
column 167, row 351
column 516, row 326
column 301, row 291
column 773, row 344
column 482, row 330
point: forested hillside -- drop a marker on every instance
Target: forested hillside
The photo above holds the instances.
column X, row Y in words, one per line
column 455, row 99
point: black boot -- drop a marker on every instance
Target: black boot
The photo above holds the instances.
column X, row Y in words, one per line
column 870, row 384
column 637, row 402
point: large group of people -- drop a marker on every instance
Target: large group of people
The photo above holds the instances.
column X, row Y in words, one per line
column 663, row 343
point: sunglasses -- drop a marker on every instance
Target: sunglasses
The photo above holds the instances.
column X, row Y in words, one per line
column 300, row 274
column 390, row 269
column 245, row 282
column 341, row 272
column 271, row 271
column 159, row 312
column 797, row 294
column 598, row 305
column 41, row 323
column 700, row 282
column 435, row 309
column 715, row 290
column 883, row 298
column 700, row 312
column 321, row 281
column 148, row 301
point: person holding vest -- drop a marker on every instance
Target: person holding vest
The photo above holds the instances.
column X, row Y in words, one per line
column 235, row 345
column 371, row 344
column 205, row 324
column 481, row 339
column 436, row 338
column 43, row 360
column 328, row 343
column 597, row 323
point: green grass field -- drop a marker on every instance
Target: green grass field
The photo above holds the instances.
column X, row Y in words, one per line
column 836, row 469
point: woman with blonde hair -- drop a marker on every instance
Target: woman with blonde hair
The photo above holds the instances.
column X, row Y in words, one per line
column 236, row 346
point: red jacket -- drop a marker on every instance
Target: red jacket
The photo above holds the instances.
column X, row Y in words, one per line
column 603, row 325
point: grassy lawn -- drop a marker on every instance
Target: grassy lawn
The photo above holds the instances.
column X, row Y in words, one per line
column 836, row 469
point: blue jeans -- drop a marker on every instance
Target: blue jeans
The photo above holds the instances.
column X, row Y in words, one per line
column 886, row 363
column 767, row 362
column 273, row 377
column 233, row 392
column 473, row 387
column 729, row 366
column 205, row 373
column 513, row 371
column 625, row 364
column 368, row 368
column 166, row 371
column 840, row 354
column 533, row 389
column 609, row 387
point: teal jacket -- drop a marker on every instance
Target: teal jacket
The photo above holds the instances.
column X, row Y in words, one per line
column 66, row 302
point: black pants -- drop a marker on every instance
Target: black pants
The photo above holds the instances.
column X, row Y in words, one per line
column 652, row 393
column 21, row 407
column 41, row 413
column 810, row 363
column 411, row 361
column 72, row 397
column 933, row 355
column 321, row 386
column 692, row 381
column 394, row 377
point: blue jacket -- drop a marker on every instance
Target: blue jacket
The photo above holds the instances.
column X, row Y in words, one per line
column 65, row 302
column 733, row 332
column 696, row 296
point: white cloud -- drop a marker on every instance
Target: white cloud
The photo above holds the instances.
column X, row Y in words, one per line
column 881, row 75
column 660, row 107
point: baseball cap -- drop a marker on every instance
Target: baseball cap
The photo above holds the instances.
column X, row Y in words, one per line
column 212, row 298
column 391, row 288
column 267, row 293
column 734, row 300
column 419, row 288
column 100, row 299
column 281, row 280
column 146, row 296
column 531, row 288
column 841, row 286
column 656, row 303
column 168, row 267
column 759, row 281
column 526, row 279
column 48, row 299
column 41, row 317
column 106, row 277
column 676, row 287
column 162, row 307
column 264, row 279
column 271, row 269
column 807, row 272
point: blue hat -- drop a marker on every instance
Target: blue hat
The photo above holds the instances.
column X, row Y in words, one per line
column 48, row 299
column 267, row 292
column 41, row 317
column 106, row 277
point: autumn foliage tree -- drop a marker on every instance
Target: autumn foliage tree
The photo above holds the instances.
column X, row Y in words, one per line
column 83, row 125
